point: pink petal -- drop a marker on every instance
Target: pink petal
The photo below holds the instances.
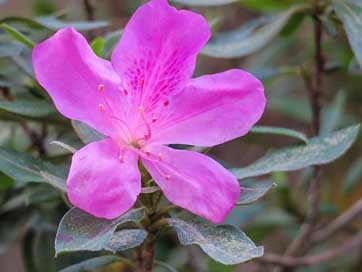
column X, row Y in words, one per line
column 193, row 181
column 211, row 110
column 102, row 184
column 71, row 73
column 157, row 52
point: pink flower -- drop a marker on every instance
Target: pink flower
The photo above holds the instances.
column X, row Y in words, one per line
column 143, row 100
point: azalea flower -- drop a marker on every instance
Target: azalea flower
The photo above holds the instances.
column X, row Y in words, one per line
column 143, row 100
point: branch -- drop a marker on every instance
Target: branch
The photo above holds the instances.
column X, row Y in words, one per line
column 340, row 222
column 293, row 262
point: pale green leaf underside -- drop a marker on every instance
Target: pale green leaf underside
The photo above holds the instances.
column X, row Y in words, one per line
column 224, row 243
column 319, row 150
column 249, row 38
column 79, row 230
column 351, row 16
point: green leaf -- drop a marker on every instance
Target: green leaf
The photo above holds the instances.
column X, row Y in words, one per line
column 92, row 265
column 251, row 191
column 15, row 34
column 27, row 105
column 24, row 168
column 79, row 230
column 53, row 23
column 110, row 41
column 125, row 239
column 98, row 45
column 291, row 106
column 332, row 115
column 251, row 37
column 10, row 49
column 224, row 243
column 319, row 150
column 205, row 2
column 65, row 146
column 268, row 5
column 86, row 133
column 351, row 16
column 56, row 24
column 280, row 131
column 354, row 177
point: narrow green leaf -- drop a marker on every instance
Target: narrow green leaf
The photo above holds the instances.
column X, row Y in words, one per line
column 332, row 114
column 319, row 150
column 92, row 265
column 79, row 230
column 64, row 146
column 24, row 168
column 53, row 23
column 251, row 191
column 27, row 105
column 224, row 243
column 10, row 49
column 280, row 131
column 15, row 34
column 166, row 266
column 249, row 38
column 354, row 177
column 98, row 45
column 351, row 16
column 86, row 133
column 205, row 2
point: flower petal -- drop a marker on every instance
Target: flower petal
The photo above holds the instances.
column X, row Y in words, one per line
column 211, row 110
column 102, row 184
column 157, row 52
column 71, row 73
column 193, row 181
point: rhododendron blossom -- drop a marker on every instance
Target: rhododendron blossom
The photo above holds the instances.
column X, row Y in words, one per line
column 143, row 100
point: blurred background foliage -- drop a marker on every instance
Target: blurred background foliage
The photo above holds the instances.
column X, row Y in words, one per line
column 273, row 39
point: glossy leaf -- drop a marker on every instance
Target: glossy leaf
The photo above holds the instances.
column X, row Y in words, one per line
column 27, row 105
column 23, row 168
column 86, row 133
column 249, row 38
column 280, row 131
column 351, row 16
column 224, row 243
column 205, row 2
column 79, row 230
column 92, row 264
column 251, row 191
column 319, row 150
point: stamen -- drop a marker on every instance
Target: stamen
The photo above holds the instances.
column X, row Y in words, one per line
column 101, row 88
column 144, row 118
column 101, row 107
column 121, row 89
column 154, row 118
column 121, row 158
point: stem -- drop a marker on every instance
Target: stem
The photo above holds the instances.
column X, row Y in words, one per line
column 294, row 262
column 149, row 253
column 89, row 10
column 303, row 239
